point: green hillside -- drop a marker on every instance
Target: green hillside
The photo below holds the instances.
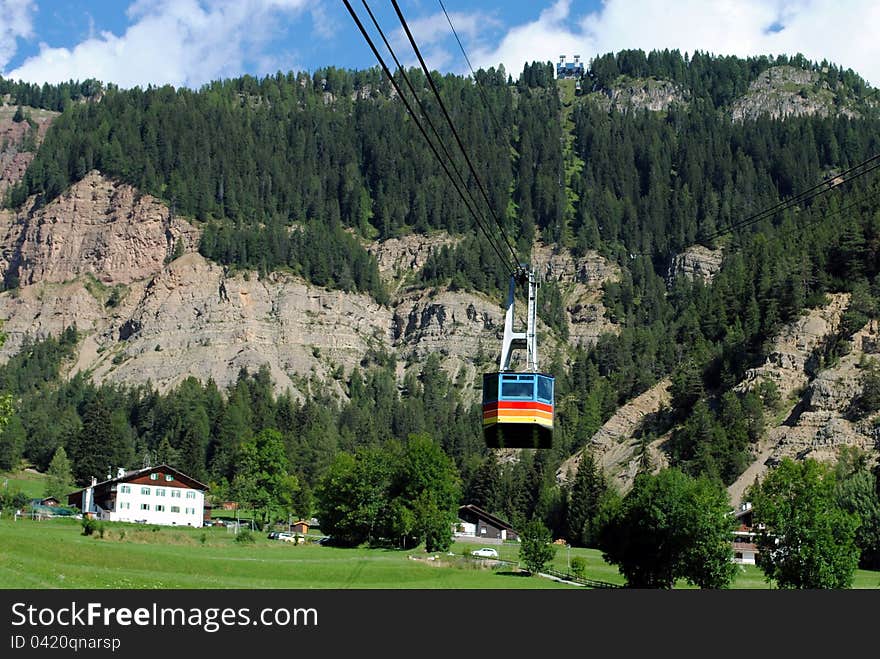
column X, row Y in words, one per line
column 299, row 172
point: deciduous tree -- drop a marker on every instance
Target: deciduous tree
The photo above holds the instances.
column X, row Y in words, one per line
column 671, row 526
column 806, row 539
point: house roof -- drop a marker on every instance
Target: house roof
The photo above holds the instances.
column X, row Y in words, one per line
column 489, row 517
column 137, row 473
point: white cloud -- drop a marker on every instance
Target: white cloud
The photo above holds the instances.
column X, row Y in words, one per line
column 541, row 40
column 15, row 23
column 179, row 42
column 436, row 42
column 842, row 31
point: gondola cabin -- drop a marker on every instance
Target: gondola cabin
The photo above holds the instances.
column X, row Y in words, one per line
column 518, row 410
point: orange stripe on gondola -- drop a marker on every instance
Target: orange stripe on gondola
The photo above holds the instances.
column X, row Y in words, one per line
column 504, row 421
column 517, row 405
column 516, row 413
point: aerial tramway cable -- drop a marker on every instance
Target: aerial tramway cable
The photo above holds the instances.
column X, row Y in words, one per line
column 421, row 128
column 518, row 407
column 470, row 66
column 809, row 194
column 425, row 113
column 453, row 129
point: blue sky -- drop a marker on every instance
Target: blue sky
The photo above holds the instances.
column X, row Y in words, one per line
column 190, row 42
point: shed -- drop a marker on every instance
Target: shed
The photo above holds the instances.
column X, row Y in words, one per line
column 478, row 523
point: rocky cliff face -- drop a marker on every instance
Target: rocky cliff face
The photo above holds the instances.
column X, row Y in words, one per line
column 18, row 142
column 822, row 422
column 696, row 262
column 617, row 445
column 97, row 227
column 191, row 319
column 98, row 256
column 651, row 94
column 814, row 405
column 787, row 362
column 400, row 259
column 580, row 281
column 785, row 91
column 812, row 420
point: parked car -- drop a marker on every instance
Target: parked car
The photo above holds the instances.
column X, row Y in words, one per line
column 485, row 552
column 273, row 535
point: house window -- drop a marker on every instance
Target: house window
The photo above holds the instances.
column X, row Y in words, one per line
column 154, row 477
column 145, row 506
column 175, row 494
column 125, row 489
column 145, row 490
column 169, row 477
column 190, row 511
column 160, row 491
column 124, row 505
column 160, row 508
column 190, row 495
column 175, row 509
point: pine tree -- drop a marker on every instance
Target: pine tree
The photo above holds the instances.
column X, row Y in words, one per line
column 586, row 494
column 59, row 480
column 93, row 447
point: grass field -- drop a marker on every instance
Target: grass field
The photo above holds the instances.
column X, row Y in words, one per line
column 54, row 554
column 30, row 483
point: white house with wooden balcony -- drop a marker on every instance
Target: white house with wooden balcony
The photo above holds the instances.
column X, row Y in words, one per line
column 745, row 549
column 153, row 495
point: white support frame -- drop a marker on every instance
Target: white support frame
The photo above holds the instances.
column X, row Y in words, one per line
column 527, row 340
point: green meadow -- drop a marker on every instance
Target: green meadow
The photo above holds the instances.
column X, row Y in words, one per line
column 30, row 483
column 55, row 554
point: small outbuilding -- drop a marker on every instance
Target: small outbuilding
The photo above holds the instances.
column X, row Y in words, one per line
column 474, row 522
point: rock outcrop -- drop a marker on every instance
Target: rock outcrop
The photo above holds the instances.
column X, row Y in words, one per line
column 653, row 94
column 397, row 257
column 15, row 151
column 191, row 319
column 580, row 281
column 787, row 361
column 813, row 405
column 100, row 228
column 616, row 445
column 786, row 91
column 696, row 262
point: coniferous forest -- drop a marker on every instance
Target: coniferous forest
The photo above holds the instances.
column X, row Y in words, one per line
column 299, row 171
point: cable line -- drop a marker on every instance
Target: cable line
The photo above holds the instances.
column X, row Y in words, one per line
column 417, row 122
column 452, row 127
column 425, row 113
column 467, row 59
column 809, row 194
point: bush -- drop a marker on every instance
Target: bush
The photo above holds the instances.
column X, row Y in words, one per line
column 578, row 566
column 244, row 537
column 89, row 526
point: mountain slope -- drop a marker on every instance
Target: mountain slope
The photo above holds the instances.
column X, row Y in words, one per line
column 100, row 256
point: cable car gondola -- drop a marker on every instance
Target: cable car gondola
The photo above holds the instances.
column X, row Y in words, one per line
column 518, row 406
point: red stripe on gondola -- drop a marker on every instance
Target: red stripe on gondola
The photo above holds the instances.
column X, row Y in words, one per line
column 517, row 405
